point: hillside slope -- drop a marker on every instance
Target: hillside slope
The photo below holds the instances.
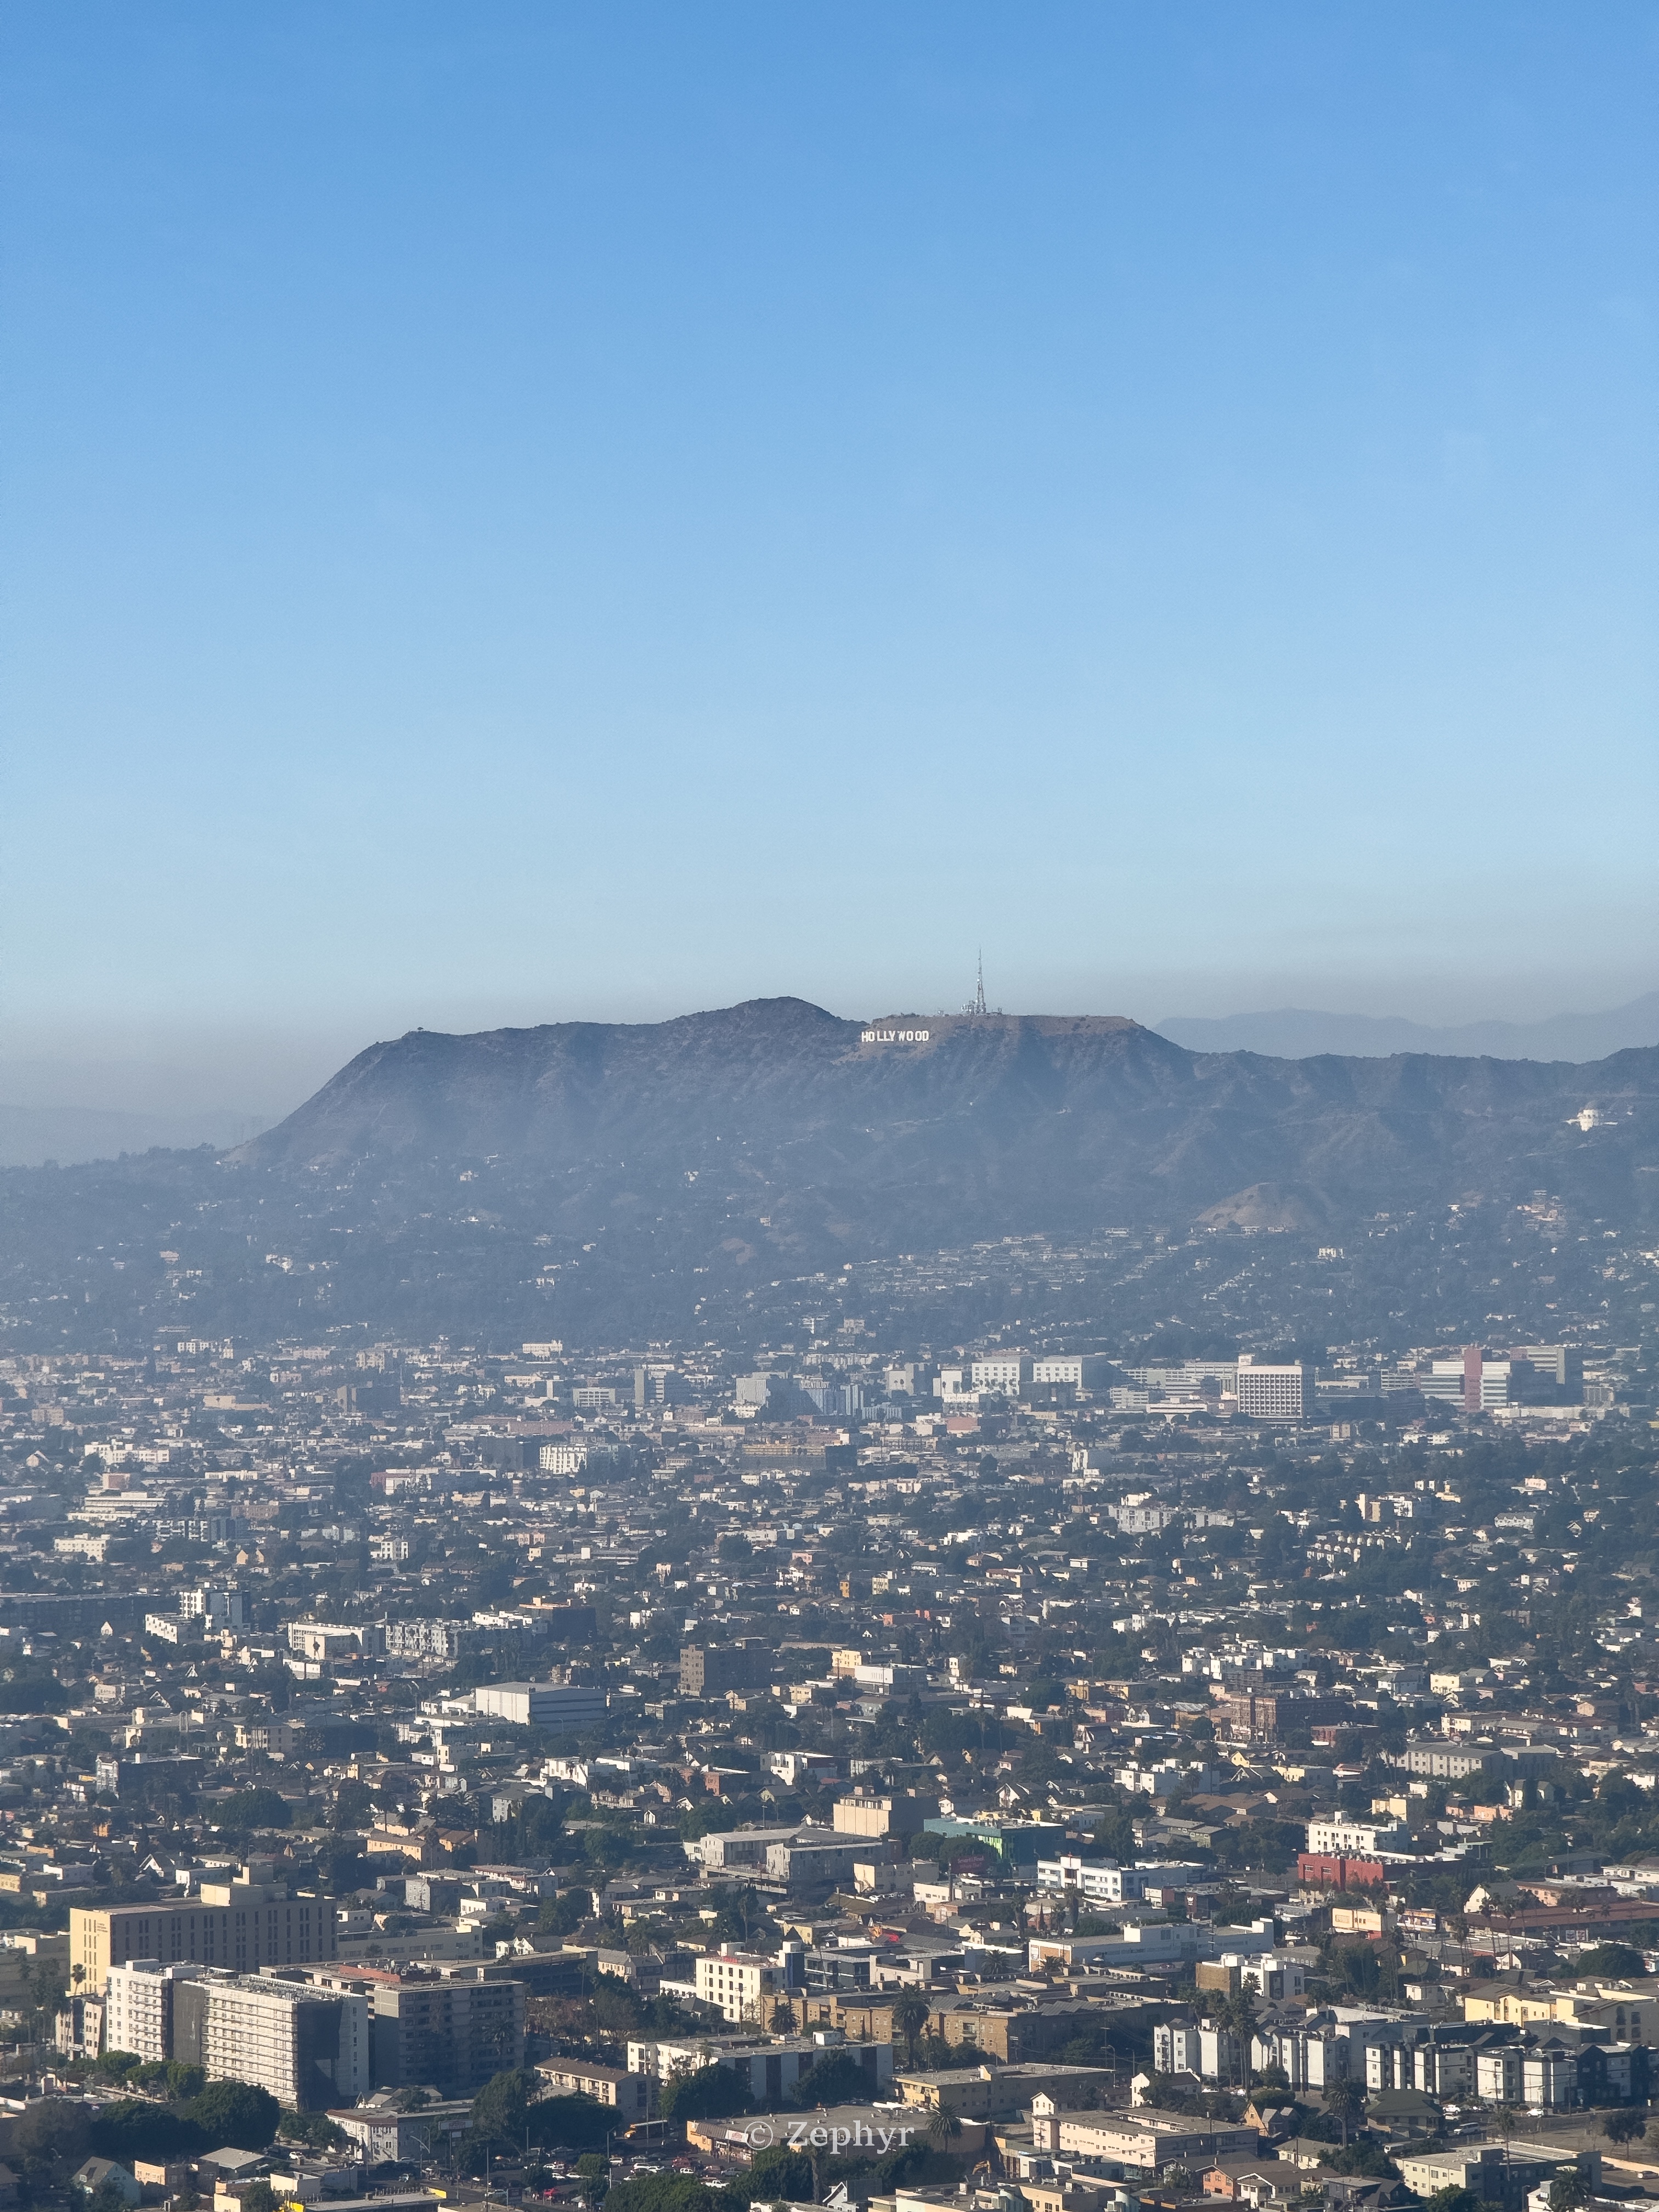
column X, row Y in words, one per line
column 611, row 1183
column 946, row 1125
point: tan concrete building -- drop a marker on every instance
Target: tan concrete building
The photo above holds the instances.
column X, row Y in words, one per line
column 1068, row 2195
column 629, row 2094
column 990, row 2093
column 1144, row 2140
column 1613, row 2008
column 862, row 1815
column 240, row 1926
column 743, row 1986
column 861, row 2017
column 1011, row 2035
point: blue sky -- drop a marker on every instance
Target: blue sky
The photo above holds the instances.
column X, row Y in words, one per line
column 521, row 511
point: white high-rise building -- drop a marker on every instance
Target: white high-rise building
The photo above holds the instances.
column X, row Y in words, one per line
column 1270, row 1393
column 309, row 2046
column 740, row 1983
column 225, row 1606
column 138, row 2007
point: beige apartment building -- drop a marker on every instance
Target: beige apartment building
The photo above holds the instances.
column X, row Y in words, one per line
column 867, row 1815
column 240, row 1927
column 744, row 1987
column 630, row 2094
column 1613, row 2009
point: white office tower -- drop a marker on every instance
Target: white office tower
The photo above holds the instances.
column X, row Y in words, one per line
column 1271, row 1393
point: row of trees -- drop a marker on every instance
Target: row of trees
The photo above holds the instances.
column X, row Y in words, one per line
column 60, row 2131
column 233, row 2115
column 172, row 2078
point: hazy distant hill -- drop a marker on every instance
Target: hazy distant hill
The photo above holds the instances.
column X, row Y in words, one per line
column 1294, row 1033
column 989, row 1127
column 613, row 1182
column 30, row 1135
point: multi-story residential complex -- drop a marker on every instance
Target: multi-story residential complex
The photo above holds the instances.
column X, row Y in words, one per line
column 1101, row 1881
column 1146, row 2143
column 452, row 2030
column 869, row 1812
column 1004, row 1373
column 424, row 1639
column 709, row 1671
column 222, row 1607
column 768, row 2068
column 1339, row 1836
column 138, row 2003
column 309, row 2046
column 238, row 1927
column 630, row 2095
column 740, row 1985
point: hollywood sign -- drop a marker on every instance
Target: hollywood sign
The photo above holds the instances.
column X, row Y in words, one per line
column 893, row 1037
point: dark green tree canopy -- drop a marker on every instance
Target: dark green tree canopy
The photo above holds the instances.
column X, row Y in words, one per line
column 55, row 2128
column 1621, row 1959
column 501, row 2108
column 254, row 1808
column 836, row 2080
column 234, row 2115
column 134, row 2128
column 712, row 2093
column 570, row 2123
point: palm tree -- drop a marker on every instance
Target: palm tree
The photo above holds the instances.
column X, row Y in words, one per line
column 911, row 2013
column 1238, row 2014
column 943, row 2126
column 1345, row 2101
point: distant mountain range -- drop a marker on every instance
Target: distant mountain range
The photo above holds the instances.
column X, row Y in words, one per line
column 30, row 1135
column 820, row 1133
column 1296, row 1033
column 37, row 1125
column 607, row 1182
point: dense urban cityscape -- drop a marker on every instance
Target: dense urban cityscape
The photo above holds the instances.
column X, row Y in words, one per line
column 999, row 1771
column 829, row 1108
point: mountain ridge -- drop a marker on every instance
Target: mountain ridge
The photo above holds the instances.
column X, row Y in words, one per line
column 1045, row 1111
column 625, row 1182
column 1300, row 1032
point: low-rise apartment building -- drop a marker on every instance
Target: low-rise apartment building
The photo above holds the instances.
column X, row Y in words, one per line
column 630, row 2095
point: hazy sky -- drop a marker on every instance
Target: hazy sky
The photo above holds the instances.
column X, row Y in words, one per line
column 518, row 510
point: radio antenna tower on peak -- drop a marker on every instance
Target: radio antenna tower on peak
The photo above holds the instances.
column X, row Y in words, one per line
column 976, row 1005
